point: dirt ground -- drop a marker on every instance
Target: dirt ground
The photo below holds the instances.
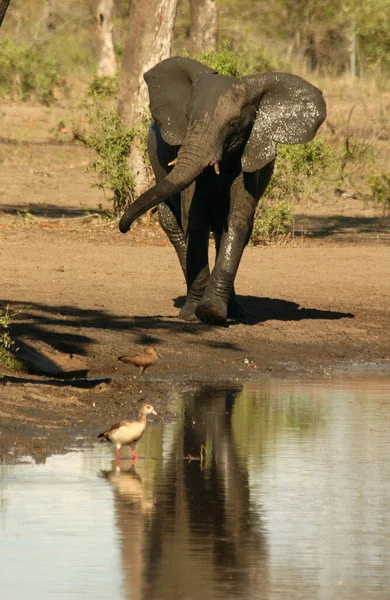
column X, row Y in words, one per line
column 316, row 307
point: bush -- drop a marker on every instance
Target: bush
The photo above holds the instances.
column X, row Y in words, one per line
column 225, row 61
column 111, row 141
column 301, row 170
column 27, row 71
column 380, row 192
column 103, row 87
column 271, row 220
column 6, row 343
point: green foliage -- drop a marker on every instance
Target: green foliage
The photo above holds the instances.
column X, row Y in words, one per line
column 302, row 170
column 271, row 221
column 103, row 87
column 27, row 71
column 380, row 192
column 273, row 36
column 26, row 215
column 225, row 61
column 6, row 343
column 307, row 159
column 372, row 29
column 5, row 320
column 112, row 143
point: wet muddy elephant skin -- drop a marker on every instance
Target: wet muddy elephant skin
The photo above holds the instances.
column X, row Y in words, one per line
column 212, row 146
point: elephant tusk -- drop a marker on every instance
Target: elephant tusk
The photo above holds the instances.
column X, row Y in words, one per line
column 216, row 168
column 173, row 162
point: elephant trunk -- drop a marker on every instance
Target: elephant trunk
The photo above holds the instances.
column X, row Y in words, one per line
column 190, row 163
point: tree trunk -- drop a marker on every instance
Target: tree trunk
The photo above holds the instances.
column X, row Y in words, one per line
column 204, row 25
column 3, row 9
column 105, row 46
column 148, row 42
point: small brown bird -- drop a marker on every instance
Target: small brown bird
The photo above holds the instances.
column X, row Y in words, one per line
column 148, row 358
column 127, row 433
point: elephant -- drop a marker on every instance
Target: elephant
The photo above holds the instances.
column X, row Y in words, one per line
column 212, row 146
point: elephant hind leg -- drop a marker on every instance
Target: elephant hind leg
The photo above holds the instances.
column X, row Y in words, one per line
column 169, row 218
column 194, row 200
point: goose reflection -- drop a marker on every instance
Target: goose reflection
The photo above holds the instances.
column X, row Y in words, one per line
column 133, row 505
column 129, row 487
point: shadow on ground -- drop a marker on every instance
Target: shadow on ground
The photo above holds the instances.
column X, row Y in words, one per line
column 53, row 324
column 72, row 330
column 86, row 384
column 259, row 310
column 49, row 211
column 315, row 227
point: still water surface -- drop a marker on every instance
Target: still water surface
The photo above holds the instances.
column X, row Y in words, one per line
column 291, row 500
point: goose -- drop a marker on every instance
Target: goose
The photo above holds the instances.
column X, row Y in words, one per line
column 127, row 433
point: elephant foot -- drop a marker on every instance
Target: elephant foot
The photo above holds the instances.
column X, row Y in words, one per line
column 213, row 311
column 187, row 313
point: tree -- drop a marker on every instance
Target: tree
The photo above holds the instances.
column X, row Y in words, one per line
column 204, row 25
column 148, row 41
column 106, row 59
column 3, row 9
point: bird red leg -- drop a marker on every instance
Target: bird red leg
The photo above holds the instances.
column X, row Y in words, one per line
column 117, row 456
column 135, row 455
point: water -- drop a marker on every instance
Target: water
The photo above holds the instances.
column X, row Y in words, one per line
column 275, row 491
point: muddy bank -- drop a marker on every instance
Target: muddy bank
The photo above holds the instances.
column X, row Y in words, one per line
column 312, row 311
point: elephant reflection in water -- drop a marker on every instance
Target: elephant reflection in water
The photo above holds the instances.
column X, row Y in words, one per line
column 201, row 538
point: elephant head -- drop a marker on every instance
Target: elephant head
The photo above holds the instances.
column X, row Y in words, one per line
column 212, row 117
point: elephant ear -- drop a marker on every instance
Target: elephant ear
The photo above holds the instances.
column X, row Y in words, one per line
column 170, row 84
column 290, row 110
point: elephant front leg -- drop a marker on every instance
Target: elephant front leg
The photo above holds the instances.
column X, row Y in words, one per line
column 219, row 296
column 234, row 310
column 245, row 191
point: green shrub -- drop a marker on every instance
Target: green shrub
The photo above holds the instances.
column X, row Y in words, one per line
column 302, row 170
column 27, row 71
column 6, row 343
column 111, row 141
column 271, row 220
column 380, row 192
column 103, row 87
column 225, row 61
